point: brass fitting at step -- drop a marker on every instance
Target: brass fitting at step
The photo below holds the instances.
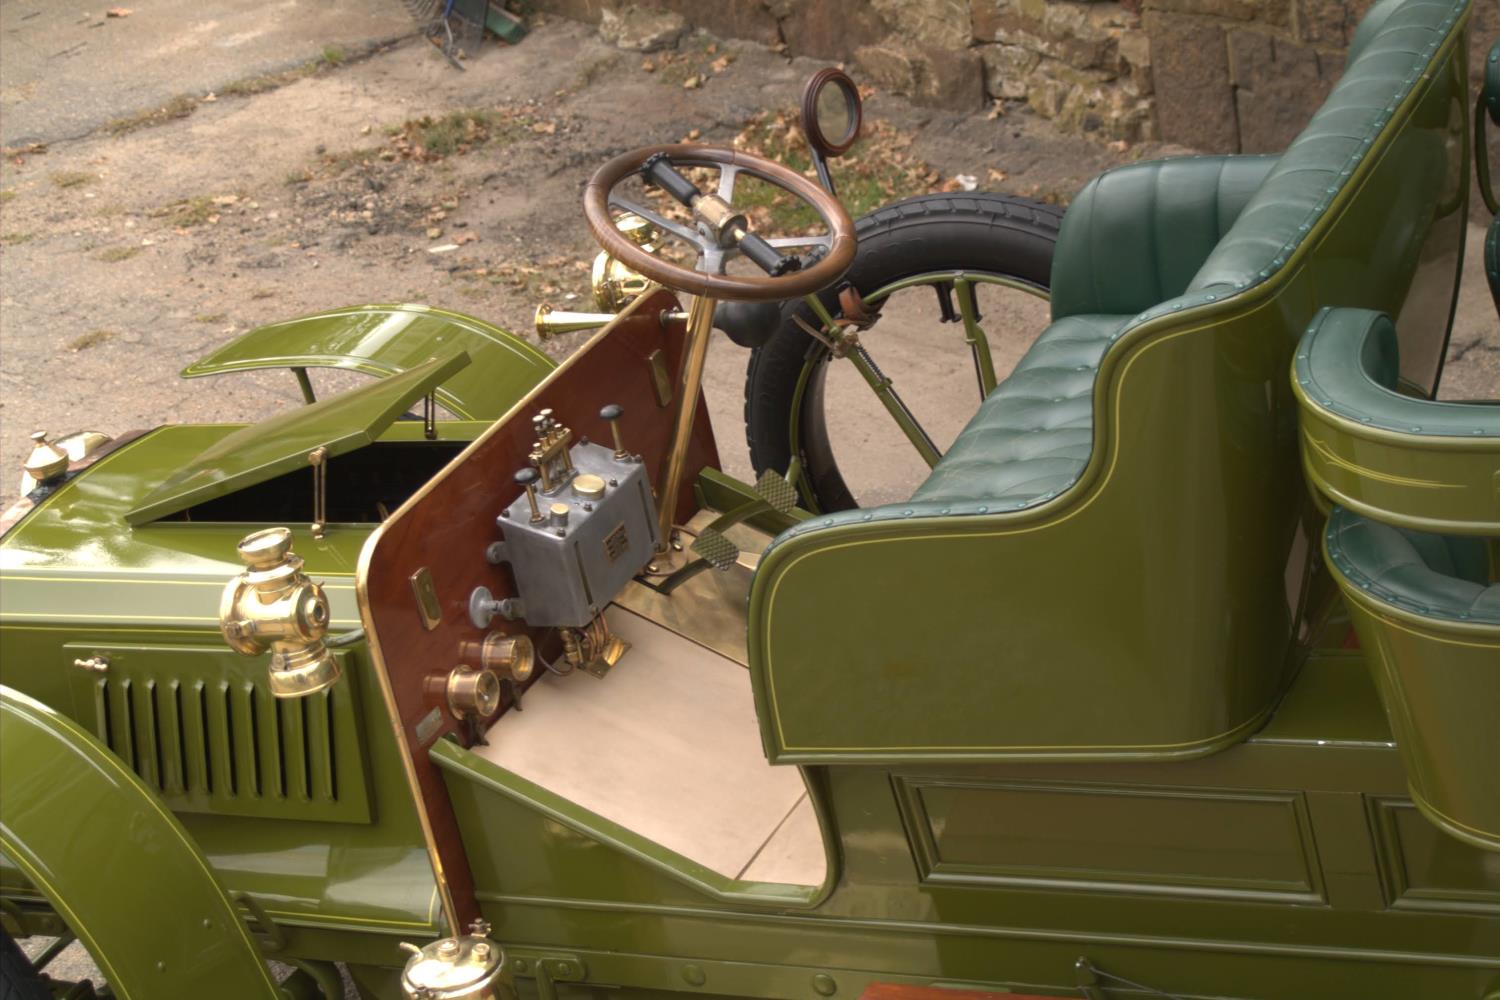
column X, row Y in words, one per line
column 273, row 606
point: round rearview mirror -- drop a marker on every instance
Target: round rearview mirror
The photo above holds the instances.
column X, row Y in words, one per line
column 830, row 112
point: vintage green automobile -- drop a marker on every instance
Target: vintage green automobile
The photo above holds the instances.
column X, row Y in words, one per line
column 1178, row 676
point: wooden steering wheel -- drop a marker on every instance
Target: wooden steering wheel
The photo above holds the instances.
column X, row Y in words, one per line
column 719, row 233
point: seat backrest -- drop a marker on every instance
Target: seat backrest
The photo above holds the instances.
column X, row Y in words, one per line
column 1397, row 243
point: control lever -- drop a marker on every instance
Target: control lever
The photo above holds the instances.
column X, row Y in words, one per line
column 612, row 414
column 729, row 227
column 526, row 478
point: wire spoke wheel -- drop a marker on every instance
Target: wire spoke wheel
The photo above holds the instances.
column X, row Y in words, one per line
column 959, row 284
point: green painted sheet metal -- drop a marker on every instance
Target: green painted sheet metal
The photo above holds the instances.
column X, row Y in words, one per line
column 75, row 576
column 1290, row 866
column 199, row 725
column 1417, row 463
column 382, row 340
column 281, row 443
column 1433, row 646
column 180, row 936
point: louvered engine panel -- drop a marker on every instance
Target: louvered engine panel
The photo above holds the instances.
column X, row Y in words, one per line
column 200, row 726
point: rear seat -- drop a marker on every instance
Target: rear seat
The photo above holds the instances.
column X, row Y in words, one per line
column 1426, row 605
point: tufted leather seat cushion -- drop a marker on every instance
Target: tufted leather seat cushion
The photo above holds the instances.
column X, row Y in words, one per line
column 1436, row 576
column 1032, row 436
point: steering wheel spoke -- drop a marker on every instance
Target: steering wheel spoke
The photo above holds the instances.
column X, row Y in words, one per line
column 666, row 225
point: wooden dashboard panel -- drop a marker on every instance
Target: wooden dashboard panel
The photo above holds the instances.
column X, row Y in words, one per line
column 446, row 526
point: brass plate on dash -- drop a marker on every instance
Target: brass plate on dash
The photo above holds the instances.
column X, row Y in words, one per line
column 427, row 599
column 661, row 379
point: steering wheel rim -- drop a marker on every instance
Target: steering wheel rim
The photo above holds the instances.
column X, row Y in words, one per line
column 598, row 196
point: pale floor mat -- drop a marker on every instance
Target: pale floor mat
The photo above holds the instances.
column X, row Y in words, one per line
column 667, row 745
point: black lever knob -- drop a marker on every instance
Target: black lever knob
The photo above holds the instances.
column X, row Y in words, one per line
column 612, row 413
column 526, row 479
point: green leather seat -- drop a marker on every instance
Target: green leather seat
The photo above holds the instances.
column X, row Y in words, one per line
column 1097, row 568
column 1032, row 436
column 1436, row 576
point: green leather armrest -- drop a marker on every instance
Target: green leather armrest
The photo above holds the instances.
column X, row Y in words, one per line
column 1136, row 235
column 1415, row 463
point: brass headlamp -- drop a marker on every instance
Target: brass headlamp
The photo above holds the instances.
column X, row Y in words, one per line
column 273, row 605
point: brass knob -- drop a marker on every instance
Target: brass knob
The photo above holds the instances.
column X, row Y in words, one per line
column 473, row 692
column 46, row 461
column 587, row 486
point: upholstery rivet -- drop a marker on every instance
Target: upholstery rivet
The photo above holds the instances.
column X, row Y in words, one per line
column 693, row 975
column 824, row 985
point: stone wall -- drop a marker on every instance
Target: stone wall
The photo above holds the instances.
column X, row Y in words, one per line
column 1218, row 75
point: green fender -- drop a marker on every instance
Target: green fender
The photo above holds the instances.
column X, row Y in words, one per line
column 117, row 865
column 385, row 340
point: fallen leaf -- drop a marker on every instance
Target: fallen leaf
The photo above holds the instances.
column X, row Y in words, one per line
column 117, row 12
column 434, row 233
column 692, row 83
column 997, row 175
column 463, row 238
column 210, row 97
column 544, row 128
column 647, row 66
column 720, row 64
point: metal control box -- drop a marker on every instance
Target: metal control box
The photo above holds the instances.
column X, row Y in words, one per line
column 597, row 531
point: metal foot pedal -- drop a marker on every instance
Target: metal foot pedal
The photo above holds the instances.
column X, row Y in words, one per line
column 716, row 550
column 776, row 491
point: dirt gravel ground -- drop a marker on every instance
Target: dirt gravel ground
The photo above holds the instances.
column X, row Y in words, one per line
column 125, row 256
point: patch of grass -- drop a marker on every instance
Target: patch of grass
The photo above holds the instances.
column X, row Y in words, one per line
column 114, row 255
column 178, row 107
column 453, row 132
column 263, row 293
column 193, row 211
column 70, row 178
column 6, row 196
column 91, row 339
column 247, row 86
column 209, row 318
column 878, row 169
column 13, row 238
